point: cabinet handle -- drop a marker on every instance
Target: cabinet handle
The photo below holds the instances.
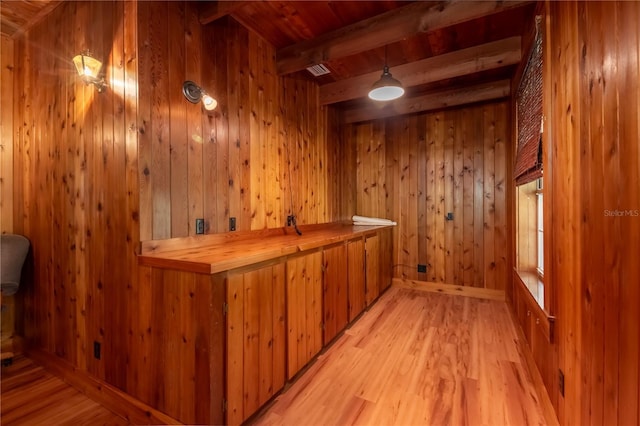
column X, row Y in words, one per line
column 537, row 321
column 528, row 313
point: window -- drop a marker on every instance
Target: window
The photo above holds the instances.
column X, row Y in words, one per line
column 528, row 171
column 540, row 220
column 530, row 237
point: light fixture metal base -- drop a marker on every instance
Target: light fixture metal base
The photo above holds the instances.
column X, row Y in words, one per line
column 192, row 92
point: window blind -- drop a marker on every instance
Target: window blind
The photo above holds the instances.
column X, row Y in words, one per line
column 528, row 165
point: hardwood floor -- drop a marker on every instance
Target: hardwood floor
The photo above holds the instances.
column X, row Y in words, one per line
column 417, row 358
column 32, row 396
column 414, row 358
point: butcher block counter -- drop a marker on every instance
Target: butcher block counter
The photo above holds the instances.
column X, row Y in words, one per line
column 232, row 318
column 213, row 253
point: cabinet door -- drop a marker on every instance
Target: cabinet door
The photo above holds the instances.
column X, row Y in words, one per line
column 255, row 339
column 355, row 267
column 372, row 262
column 304, row 310
column 386, row 258
column 335, row 291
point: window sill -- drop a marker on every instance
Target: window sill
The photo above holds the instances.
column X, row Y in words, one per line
column 534, row 284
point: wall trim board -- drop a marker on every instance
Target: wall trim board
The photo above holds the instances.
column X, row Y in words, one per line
column 480, row 293
column 112, row 398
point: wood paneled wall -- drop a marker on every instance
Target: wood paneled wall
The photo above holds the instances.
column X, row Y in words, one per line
column 593, row 114
column 415, row 169
column 95, row 174
column 261, row 151
column 6, row 135
column 76, row 184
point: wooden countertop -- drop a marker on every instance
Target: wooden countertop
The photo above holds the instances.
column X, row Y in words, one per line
column 213, row 253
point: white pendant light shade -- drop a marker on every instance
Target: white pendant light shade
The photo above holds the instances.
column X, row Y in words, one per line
column 387, row 88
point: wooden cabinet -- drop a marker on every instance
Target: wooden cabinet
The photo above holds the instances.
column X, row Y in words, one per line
column 335, row 303
column 276, row 291
column 538, row 330
column 372, row 266
column 304, row 310
column 386, row 258
column 256, row 339
column 379, row 263
column 356, row 280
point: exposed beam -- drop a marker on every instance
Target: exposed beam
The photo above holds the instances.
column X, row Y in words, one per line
column 455, row 64
column 386, row 28
column 213, row 10
column 431, row 101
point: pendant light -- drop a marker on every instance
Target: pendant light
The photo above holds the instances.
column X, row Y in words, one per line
column 387, row 88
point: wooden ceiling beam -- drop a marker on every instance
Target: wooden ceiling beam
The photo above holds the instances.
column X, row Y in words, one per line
column 450, row 65
column 431, row 101
column 213, row 10
column 386, row 28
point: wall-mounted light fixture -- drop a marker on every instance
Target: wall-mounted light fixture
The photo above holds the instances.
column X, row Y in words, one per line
column 195, row 94
column 387, row 88
column 89, row 69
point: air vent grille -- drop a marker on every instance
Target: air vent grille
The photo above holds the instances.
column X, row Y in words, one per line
column 318, row 70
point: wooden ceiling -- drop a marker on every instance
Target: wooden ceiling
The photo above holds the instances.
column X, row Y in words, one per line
column 19, row 15
column 444, row 53
column 452, row 50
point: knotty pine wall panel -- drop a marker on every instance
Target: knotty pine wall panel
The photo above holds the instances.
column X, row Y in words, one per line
column 76, row 195
column 415, row 169
column 593, row 109
column 263, row 154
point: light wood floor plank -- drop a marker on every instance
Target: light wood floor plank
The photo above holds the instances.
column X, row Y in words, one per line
column 32, row 396
column 417, row 358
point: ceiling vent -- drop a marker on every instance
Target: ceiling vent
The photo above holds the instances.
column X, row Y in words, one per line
column 318, row 70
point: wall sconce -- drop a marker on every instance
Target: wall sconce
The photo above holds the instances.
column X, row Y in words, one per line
column 89, row 70
column 195, row 94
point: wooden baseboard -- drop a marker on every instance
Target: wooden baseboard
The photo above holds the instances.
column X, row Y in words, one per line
column 480, row 293
column 110, row 397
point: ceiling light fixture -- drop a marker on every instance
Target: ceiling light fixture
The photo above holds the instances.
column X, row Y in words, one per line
column 194, row 94
column 89, row 69
column 387, row 88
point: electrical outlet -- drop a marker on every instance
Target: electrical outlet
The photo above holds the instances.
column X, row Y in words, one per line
column 96, row 350
column 422, row 268
column 449, row 216
column 232, row 224
column 199, row 226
